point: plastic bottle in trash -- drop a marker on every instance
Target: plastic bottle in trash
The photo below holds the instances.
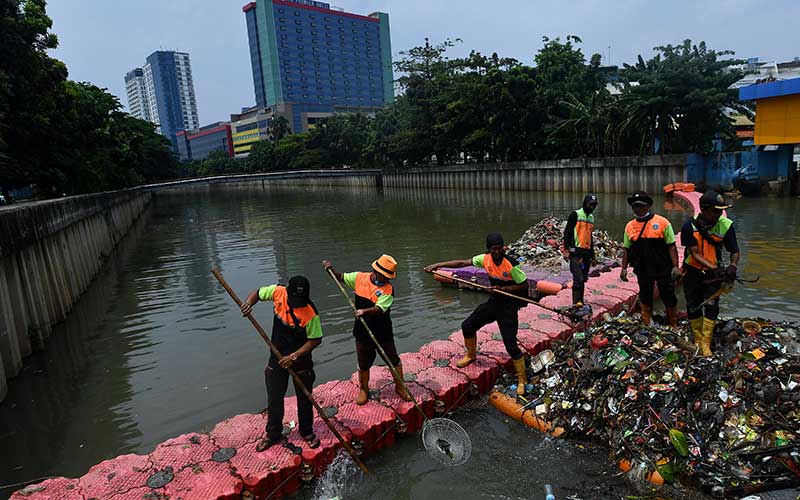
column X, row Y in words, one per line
column 548, row 491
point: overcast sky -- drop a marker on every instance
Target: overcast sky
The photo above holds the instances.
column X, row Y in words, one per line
column 100, row 40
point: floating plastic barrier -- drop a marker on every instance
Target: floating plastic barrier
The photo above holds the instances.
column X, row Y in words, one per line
column 515, row 410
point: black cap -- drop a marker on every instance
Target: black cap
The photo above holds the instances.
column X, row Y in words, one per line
column 640, row 197
column 590, row 199
column 493, row 239
column 713, row 199
column 298, row 291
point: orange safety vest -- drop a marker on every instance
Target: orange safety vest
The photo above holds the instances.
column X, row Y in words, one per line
column 709, row 250
column 367, row 294
column 583, row 229
column 366, row 289
column 500, row 275
column 289, row 329
column 297, row 317
column 655, row 228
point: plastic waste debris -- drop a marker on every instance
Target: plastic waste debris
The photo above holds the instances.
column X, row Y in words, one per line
column 728, row 425
column 541, row 245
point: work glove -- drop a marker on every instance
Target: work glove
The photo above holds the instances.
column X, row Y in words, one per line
column 730, row 274
column 623, row 274
column 676, row 274
column 717, row 273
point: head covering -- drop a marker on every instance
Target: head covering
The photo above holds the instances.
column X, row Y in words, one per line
column 590, row 199
column 494, row 239
column 712, row 199
column 386, row 266
column 298, row 292
column 640, row 198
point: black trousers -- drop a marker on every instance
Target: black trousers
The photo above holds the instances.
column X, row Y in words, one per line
column 579, row 267
column 277, row 380
column 697, row 291
column 666, row 290
column 505, row 313
column 366, row 352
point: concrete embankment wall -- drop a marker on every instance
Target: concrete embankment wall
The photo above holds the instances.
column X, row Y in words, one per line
column 317, row 178
column 49, row 253
column 598, row 175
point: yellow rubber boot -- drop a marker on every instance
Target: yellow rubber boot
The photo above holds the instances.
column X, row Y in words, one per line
column 399, row 387
column 672, row 317
column 363, row 387
column 697, row 331
column 472, row 352
column 708, row 336
column 647, row 313
column 522, row 377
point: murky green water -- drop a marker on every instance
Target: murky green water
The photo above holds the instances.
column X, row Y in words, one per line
column 155, row 348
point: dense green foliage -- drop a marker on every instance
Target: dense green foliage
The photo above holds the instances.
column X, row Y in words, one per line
column 63, row 136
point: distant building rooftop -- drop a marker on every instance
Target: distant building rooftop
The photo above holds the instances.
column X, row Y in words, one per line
column 764, row 72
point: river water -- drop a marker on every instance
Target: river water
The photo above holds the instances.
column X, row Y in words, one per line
column 155, row 348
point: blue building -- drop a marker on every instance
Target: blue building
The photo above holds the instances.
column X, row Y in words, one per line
column 310, row 61
column 162, row 92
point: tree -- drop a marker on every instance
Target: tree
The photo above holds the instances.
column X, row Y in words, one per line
column 278, row 128
column 218, row 162
column 64, row 136
column 262, row 157
column 30, row 91
column 680, row 102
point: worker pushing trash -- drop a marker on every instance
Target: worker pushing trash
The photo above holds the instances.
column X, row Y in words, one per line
column 374, row 295
column 505, row 275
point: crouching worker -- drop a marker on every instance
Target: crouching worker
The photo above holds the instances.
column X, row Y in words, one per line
column 504, row 275
column 649, row 247
column 296, row 331
column 374, row 295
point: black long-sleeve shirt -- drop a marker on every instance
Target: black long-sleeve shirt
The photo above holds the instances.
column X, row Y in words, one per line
column 569, row 231
column 569, row 235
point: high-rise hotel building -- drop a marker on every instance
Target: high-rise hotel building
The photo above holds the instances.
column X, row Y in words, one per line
column 162, row 92
column 310, row 60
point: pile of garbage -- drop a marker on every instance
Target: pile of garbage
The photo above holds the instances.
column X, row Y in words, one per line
column 729, row 425
column 542, row 244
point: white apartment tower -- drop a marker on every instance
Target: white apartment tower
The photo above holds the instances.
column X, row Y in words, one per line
column 162, row 92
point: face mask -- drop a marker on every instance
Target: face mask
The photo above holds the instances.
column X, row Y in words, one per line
column 643, row 216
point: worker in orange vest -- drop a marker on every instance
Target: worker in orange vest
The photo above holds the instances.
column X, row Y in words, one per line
column 649, row 247
column 374, row 296
column 296, row 331
column 704, row 237
column 505, row 275
column 579, row 246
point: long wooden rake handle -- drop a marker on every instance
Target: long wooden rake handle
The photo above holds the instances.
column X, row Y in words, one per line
column 296, row 379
